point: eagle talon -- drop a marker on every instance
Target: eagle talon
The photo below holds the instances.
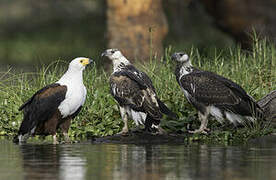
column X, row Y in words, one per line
column 55, row 140
column 199, row 131
column 67, row 142
column 123, row 132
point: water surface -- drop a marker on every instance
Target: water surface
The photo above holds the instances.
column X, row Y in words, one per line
column 255, row 160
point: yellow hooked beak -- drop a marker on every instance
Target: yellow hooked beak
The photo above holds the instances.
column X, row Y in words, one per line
column 86, row 61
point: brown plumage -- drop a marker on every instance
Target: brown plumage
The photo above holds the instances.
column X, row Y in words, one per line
column 211, row 89
column 41, row 114
column 135, row 93
column 213, row 94
column 139, row 98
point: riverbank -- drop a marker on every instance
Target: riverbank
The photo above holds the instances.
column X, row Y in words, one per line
column 255, row 72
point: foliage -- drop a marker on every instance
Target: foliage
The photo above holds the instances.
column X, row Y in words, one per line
column 255, row 71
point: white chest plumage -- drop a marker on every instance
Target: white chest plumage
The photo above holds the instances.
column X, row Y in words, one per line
column 75, row 95
column 184, row 71
column 74, row 98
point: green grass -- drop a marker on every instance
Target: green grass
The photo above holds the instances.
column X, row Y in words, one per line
column 254, row 71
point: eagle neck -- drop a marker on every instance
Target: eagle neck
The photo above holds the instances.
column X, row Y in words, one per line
column 183, row 69
column 71, row 75
column 120, row 63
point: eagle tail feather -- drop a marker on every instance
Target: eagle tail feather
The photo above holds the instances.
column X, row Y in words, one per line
column 257, row 111
column 27, row 127
column 164, row 109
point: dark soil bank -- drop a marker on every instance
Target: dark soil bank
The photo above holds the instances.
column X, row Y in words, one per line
column 143, row 138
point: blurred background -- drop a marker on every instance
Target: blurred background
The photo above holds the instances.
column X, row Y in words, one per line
column 39, row 31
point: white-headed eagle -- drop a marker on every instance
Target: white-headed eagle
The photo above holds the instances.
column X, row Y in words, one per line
column 134, row 92
column 53, row 106
column 213, row 94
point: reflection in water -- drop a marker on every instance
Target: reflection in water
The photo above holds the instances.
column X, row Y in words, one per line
column 113, row 161
column 72, row 164
column 195, row 162
column 40, row 161
column 52, row 162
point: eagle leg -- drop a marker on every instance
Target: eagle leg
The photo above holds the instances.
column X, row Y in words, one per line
column 124, row 117
column 23, row 138
column 55, row 141
column 64, row 126
column 66, row 137
column 203, row 126
column 124, row 131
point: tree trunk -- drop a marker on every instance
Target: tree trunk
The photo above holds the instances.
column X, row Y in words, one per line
column 240, row 17
column 136, row 27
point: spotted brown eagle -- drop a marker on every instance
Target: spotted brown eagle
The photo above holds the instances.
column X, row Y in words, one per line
column 213, row 94
column 135, row 93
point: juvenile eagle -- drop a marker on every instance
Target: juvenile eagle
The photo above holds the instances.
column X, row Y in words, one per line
column 134, row 92
column 54, row 106
column 212, row 94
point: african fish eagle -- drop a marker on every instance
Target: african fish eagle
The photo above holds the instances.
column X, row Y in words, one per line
column 213, row 94
column 134, row 92
column 54, row 106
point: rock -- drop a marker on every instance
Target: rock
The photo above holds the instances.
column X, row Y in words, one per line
column 136, row 27
column 142, row 138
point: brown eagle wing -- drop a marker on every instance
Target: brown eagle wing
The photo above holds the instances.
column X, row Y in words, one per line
column 211, row 89
column 208, row 90
column 41, row 106
column 128, row 92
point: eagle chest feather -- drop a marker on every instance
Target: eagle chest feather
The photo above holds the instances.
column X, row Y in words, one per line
column 72, row 100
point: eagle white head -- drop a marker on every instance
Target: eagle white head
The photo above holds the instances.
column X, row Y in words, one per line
column 79, row 63
column 74, row 72
column 116, row 56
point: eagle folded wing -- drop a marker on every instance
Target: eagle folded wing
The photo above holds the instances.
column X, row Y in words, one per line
column 235, row 88
column 126, row 91
column 139, row 76
column 42, row 105
column 208, row 90
column 130, row 92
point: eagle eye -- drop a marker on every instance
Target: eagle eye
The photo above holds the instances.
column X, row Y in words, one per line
column 81, row 61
